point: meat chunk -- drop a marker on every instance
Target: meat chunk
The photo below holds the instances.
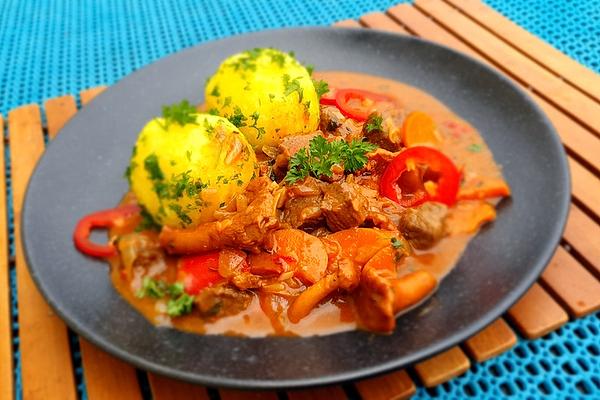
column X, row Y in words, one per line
column 389, row 135
column 289, row 146
column 334, row 123
column 344, row 206
column 243, row 229
column 375, row 301
column 423, row 226
column 222, row 301
column 303, row 207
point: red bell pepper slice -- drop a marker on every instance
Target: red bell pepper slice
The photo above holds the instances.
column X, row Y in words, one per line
column 409, row 190
column 199, row 271
column 356, row 103
column 104, row 219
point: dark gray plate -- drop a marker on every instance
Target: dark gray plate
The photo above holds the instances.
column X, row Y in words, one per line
column 82, row 171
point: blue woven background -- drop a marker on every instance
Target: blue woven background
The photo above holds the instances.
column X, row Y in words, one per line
column 49, row 48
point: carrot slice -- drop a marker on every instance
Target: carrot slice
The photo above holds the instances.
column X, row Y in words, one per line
column 468, row 216
column 419, row 128
column 361, row 244
column 489, row 188
column 304, row 253
column 412, row 288
column 309, row 299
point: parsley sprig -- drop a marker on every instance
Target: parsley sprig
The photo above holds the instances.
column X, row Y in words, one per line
column 179, row 113
column 374, row 123
column 322, row 155
column 321, row 87
column 180, row 303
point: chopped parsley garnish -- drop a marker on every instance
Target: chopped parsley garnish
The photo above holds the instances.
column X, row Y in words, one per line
column 179, row 113
column 322, row 155
column 129, row 171
column 147, row 223
column 152, row 288
column 227, row 101
column 356, row 155
column 475, row 148
column 182, row 215
column 291, row 86
column 278, row 58
column 151, row 165
column 396, row 243
column 310, row 69
column 321, row 87
column 213, row 111
column 215, row 92
column 374, row 123
column 260, row 131
column 179, row 303
column 238, row 118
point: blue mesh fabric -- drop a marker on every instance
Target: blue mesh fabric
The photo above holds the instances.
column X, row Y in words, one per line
column 49, row 48
column 570, row 26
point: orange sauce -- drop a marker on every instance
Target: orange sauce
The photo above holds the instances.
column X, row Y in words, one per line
column 266, row 314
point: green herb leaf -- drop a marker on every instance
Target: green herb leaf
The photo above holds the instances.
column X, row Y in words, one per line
column 374, row 123
column 291, row 86
column 179, row 113
column 181, row 305
column 321, row 87
column 396, row 243
column 147, row 223
column 322, row 155
column 238, row 118
column 152, row 288
column 153, row 168
column 475, row 148
column 182, row 215
column 310, row 68
column 356, row 155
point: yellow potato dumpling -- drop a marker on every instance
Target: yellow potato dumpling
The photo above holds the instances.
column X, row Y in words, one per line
column 183, row 169
column 266, row 93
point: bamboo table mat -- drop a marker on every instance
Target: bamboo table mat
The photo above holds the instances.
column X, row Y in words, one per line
column 568, row 289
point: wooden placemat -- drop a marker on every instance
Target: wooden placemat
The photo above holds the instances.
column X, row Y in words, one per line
column 569, row 287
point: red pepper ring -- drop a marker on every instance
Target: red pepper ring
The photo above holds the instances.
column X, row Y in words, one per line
column 104, row 219
column 447, row 177
column 346, row 99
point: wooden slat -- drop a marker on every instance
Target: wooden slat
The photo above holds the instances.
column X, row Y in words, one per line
column 495, row 339
column 324, row 393
column 347, row 23
column 583, row 235
column 6, row 359
column 572, row 284
column 164, row 388
column 230, row 394
column 421, row 25
column 105, row 376
column 46, row 367
column 585, row 186
column 564, row 66
column 537, row 313
column 88, row 95
column 58, row 111
column 573, row 135
column 555, row 90
column 393, row 386
column 443, row 367
column 381, row 21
